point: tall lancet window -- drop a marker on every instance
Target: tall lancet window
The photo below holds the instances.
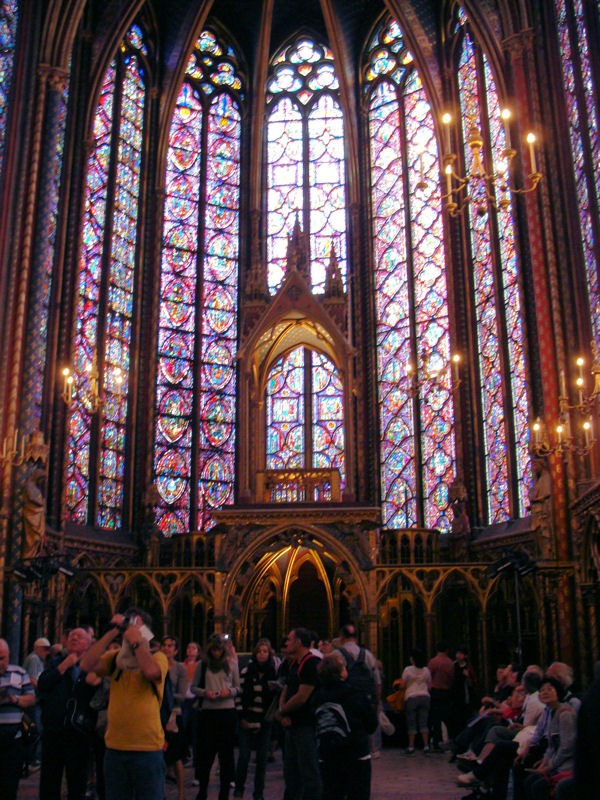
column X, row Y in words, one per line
column 413, row 340
column 497, row 301
column 577, row 38
column 9, row 18
column 95, row 484
column 305, row 159
column 305, row 413
column 194, row 444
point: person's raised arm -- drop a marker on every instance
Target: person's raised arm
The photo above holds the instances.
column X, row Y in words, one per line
column 90, row 660
column 149, row 667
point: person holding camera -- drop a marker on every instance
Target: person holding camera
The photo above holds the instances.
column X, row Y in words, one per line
column 134, row 765
column 16, row 695
column 67, row 720
column 216, row 683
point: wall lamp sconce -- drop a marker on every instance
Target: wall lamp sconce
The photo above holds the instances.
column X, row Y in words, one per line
column 578, row 416
column 13, row 451
column 93, row 397
column 434, row 367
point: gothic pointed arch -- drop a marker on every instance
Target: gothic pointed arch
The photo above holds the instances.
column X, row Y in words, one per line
column 294, row 320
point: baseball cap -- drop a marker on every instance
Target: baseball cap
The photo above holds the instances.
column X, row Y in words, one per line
column 43, row 642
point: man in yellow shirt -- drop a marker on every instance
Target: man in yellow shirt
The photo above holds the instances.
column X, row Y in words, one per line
column 134, row 765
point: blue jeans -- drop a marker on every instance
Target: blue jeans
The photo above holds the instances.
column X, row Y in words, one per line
column 301, row 764
column 248, row 741
column 134, row 774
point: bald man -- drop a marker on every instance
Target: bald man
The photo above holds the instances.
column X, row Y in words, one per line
column 16, row 694
column 65, row 749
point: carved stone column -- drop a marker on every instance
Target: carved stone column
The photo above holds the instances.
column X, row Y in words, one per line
column 34, row 297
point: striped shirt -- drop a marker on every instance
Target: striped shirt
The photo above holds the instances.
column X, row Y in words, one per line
column 15, row 682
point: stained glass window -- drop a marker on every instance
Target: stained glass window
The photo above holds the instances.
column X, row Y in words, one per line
column 196, row 384
column 305, row 413
column 96, row 463
column 47, row 246
column 9, row 18
column 498, row 310
column 582, row 106
column 305, row 159
column 413, row 340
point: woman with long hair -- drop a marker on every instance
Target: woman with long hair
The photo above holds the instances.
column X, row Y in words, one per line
column 216, row 683
column 254, row 729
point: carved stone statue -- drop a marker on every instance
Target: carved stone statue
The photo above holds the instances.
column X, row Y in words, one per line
column 460, row 527
column 34, row 514
column 150, row 539
column 540, row 499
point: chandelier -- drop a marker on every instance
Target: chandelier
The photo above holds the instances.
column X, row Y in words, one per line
column 480, row 187
column 574, row 433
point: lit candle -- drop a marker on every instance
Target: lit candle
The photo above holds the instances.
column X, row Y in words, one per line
column 531, row 142
column 559, row 431
column 536, row 431
column 580, row 380
column 586, row 432
column 456, row 362
column 449, row 180
column 446, row 120
column 505, row 118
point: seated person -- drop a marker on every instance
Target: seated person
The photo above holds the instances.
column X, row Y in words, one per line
column 497, row 710
column 558, row 758
column 559, row 735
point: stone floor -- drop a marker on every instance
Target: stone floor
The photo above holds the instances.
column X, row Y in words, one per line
column 396, row 776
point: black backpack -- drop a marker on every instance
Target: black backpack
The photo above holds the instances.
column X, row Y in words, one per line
column 360, row 675
column 168, row 700
column 332, row 728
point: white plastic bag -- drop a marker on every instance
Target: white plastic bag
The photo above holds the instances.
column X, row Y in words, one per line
column 386, row 724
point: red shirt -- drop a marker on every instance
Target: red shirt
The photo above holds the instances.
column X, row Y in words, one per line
column 441, row 667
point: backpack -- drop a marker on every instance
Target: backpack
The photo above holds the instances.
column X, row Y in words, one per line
column 168, row 700
column 360, row 675
column 332, row 728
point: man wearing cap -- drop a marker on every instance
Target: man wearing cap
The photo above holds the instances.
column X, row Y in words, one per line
column 35, row 662
column 16, row 694
column 34, row 665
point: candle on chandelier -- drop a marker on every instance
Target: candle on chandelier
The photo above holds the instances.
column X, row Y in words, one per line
column 456, row 363
column 531, row 142
column 449, row 179
column 446, row 120
column 559, row 432
column 587, row 425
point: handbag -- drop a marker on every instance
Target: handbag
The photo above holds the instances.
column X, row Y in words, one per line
column 395, row 700
column 79, row 717
column 387, row 726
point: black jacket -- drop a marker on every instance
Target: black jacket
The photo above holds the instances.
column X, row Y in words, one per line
column 55, row 690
